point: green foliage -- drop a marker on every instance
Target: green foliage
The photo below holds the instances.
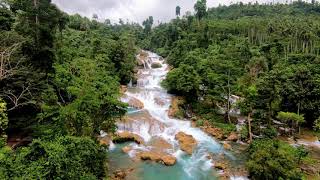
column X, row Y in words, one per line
column 183, row 80
column 270, row 158
column 269, row 132
column 4, row 121
column 64, row 158
column 288, row 116
column 244, row 133
column 316, row 125
column 201, row 8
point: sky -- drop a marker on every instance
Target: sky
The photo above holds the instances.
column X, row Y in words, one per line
column 133, row 10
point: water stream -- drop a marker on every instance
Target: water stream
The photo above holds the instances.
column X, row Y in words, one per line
column 153, row 122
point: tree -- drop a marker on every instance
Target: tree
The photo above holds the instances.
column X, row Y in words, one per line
column 247, row 105
column 178, row 8
column 316, row 125
column 3, row 118
column 183, row 80
column 148, row 25
column 63, row 158
column 293, row 118
column 201, row 8
column 270, row 158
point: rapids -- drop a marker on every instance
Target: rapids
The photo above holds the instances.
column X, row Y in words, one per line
column 153, row 122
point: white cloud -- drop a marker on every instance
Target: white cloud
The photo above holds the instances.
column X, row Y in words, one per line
column 133, row 10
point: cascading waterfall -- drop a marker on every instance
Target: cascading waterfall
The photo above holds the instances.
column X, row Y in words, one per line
column 159, row 124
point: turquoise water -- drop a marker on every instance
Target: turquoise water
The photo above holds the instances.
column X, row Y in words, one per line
column 147, row 170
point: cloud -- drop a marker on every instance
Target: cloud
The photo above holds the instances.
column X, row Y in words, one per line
column 132, row 10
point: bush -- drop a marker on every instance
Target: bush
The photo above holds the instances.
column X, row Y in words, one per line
column 244, row 133
column 64, row 158
column 200, row 123
column 316, row 125
column 156, row 65
column 269, row 132
column 270, row 159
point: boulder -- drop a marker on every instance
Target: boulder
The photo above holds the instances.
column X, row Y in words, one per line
column 227, row 146
column 174, row 109
column 156, row 65
column 169, row 160
column 215, row 132
column 126, row 149
column 120, row 174
column 136, row 103
column 159, row 144
column 123, row 89
column 187, row 142
column 159, row 101
column 233, row 137
column 163, row 158
column 104, row 140
column 128, row 136
column 220, row 165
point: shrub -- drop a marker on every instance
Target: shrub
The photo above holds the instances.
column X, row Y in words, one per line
column 269, row 132
column 270, row 159
column 63, row 158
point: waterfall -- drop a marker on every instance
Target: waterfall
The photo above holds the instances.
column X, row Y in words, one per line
column 153, row 122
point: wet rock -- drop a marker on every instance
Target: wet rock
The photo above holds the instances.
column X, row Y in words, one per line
column 136, row 103
column 163, row 158
column 169, row 160
column 187, row 142
column 123, row 89
column 215, row 132
column 159, row 101
column 159, row 144
column 156, row 65
column 104, row 140
column 127, row 136
column 138, row 121
column 232, row 137
column 142, row 58
column 126, row 149
column 226, row 146
column 174, row 110
column 120, row 174
column 220, row 166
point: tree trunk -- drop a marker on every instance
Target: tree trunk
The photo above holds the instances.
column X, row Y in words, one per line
column 229, row 94
column 249, row 127
column 35, row 4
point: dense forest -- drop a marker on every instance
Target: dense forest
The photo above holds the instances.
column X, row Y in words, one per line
column 60, row 77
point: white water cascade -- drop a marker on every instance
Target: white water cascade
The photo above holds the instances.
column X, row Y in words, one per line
column 153, row 121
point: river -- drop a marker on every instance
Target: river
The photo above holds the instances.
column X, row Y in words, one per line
column 154, row 125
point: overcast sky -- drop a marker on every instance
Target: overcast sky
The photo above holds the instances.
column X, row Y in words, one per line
column 133, row 10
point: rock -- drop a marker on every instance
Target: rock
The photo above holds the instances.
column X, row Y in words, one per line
column 220, row 166
column 126, row 149
column 227, row 146
column 142, row 58
column 159, row 144
column 136, row 103
column 104, row 140
column 119, row 174
column 169, row 160
column 215, row 132
column 232, row 137
column 156, row 65
column 163, row 158
column 127, row 136
column 187, row 142
column 123, row 89
column 159, row 101
column 174, row 109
